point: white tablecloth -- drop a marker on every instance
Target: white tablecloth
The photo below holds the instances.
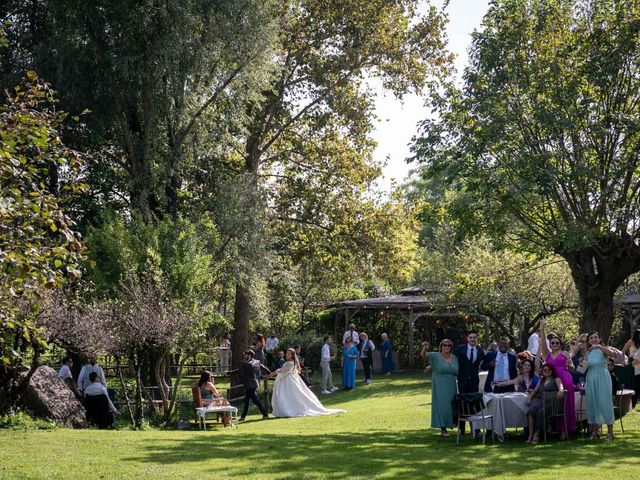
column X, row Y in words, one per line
column 509, row 410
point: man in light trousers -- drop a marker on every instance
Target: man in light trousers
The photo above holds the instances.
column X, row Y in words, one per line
column 325, row 360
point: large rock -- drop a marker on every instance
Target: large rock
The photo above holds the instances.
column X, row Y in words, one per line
column 47, row 396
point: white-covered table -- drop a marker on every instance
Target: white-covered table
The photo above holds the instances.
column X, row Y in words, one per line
column 230, row 409
column 509, row 410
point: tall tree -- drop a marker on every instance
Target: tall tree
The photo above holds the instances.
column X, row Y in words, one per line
column 152, row 73
column 327, row 52
column 546, row 129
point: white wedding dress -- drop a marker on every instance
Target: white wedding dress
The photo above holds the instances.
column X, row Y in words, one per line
column 292, row 398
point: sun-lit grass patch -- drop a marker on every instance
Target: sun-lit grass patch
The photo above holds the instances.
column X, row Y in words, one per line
column 384, row 434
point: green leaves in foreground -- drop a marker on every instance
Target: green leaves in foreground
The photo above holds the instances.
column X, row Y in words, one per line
column 38, row 244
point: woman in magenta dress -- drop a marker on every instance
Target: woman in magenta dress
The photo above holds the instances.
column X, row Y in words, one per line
column 563, row 366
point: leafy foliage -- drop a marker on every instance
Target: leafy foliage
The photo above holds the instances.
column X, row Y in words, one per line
column 514, row 290
column 545, row 132
column 39, row 246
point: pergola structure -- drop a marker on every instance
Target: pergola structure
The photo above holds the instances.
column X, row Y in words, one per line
column 412, row 304
column 630, row 306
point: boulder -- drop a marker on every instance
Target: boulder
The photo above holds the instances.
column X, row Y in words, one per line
column 47, row 396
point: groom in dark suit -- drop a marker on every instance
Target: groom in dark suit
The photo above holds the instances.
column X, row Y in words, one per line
column 470, row 357
column 501, row 366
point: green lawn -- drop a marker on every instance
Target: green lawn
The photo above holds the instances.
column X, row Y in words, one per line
column 385, row 434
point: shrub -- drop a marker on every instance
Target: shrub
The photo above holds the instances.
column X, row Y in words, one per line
column 310, row 343
column 23, row 421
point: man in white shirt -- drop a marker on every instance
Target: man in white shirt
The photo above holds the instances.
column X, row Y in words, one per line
column 501, row 366
column 355, row 338
column 272, row 343
column 325, row 361
column 366, row 348
column 534, row 343
column 87, row 370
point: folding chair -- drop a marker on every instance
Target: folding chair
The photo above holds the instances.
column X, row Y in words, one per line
column 556, row 409
column 470, row 408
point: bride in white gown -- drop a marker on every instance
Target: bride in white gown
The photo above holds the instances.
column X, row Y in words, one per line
column 291, row 397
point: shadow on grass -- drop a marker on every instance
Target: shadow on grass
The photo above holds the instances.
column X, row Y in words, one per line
column 412, row 454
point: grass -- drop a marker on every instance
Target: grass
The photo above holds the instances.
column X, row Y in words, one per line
column 384, row 434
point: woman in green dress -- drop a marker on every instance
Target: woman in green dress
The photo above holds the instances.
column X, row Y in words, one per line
column 598, row 387
column 444, row 366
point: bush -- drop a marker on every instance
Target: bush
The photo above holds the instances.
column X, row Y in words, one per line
column 311, row 345
column 23, row 421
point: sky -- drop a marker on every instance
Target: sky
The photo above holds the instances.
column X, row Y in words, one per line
column 398, row 120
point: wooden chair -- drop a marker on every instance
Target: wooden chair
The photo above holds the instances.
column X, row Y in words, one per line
column 581, row 414
column 470, row 408
column 556, row 409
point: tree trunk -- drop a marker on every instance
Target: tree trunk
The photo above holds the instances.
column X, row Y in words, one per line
column 242, row 313
column 138, row 416
column 597, row 272
column 242, row 310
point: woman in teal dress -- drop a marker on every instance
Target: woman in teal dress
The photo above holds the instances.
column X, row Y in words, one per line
column 598, row 387
column 350, row 356
column 444, row 367
column 386, row 354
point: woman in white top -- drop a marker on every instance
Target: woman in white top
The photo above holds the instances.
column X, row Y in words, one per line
column 632, row 348
column 291, row 397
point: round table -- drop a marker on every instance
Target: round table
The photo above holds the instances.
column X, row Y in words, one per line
column 509, row 410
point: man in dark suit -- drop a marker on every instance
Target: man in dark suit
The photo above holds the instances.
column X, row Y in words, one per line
column 249, row 374
column 501, row 366
column 366, row 348
column 470, row 356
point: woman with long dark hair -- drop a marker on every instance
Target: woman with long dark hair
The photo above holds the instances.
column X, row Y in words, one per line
column 526, row 381
column 563, row 366
column 632, row 348
column 210, row 395
column 259, row 348
column 291, row 397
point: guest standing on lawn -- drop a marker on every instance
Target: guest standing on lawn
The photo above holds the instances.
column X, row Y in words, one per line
column 259, row 348
column 598, row 388
column 632, row 348
column 444, row 367
column 366, row 348
column 386, row 355
column 325, row 366
column 563, row 365
column 350, row 357
column 469, row 356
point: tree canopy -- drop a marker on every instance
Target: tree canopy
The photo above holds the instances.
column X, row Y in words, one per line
column 545, row 129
